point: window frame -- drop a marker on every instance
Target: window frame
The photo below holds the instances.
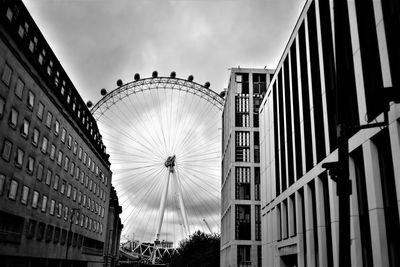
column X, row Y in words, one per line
column 18, row 90
column 13, row 118
column 31, row 100
column 40, row 110
column 6, row 75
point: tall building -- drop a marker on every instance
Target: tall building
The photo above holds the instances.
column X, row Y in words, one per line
column 55, row 178
column 240, row 214
column 298, row 124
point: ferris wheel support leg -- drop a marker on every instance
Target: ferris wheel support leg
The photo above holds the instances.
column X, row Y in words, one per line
column 162, row 207
column 178, row 187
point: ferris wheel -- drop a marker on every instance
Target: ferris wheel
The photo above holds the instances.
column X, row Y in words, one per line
column 163, row 135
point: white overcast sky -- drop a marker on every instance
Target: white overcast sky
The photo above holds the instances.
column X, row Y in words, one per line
column 100, row 41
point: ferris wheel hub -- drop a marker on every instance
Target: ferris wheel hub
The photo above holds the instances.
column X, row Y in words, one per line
column 170, row 163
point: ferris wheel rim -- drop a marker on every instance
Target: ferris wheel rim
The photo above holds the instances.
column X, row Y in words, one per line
column 153, row 87
column 152, row 83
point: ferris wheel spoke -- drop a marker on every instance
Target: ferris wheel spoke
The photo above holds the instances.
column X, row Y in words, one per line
column 192, row 126
column 195, row 177
column 182, row 119
column 142, row 183
column 115, row 139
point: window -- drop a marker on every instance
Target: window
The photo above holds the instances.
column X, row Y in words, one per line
column 45, row 142
column 81, row 180
column 2, row 182
column 66, row 163
column 40, row 111
column 9, row 14
column 31, row 99
column 40, row 231
column 69, row 144
column 63, row 134
column 80, row 153
column 257, row 183
column 66, row 212
column 77, row 173
column 56, row 181
column 39, row 172
column 243, row 222
column 6, row 152
column 243, row 256
column 35, row 137
column 256, row 147
column 2, row 106
column 89, row 162
column 30, row 230
column 52, row 152
column 72, row 169
column 56, row 238
column 242, row 83
column 79, row 197
column 59, row 210
column 57, row 127
column 84, row 200
column 33, row 44
column 19, row 88
column 75, row 148
column 90, row 184
column 49, row 119
column 19, row 158
column 49, row 233
column 6, row 77
column 52, row 206
column 44, row 203
column 257, row 209
column 13, row 120
column 25, row 128
column 25, row 193
column 48, row 177
column 35, row 199
column 259, row 83
column 74, row 194
column 30, row 164
column 242, row 188
column 242, row 146
column 86, row 181
column 69, row 188
column 63, row 183
column 59, row 157
column 84, row 158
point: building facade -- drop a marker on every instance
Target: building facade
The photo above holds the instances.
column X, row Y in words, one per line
column 298, row 123
column 55, row 178
column 240, row 214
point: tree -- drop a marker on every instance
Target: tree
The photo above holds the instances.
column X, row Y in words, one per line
column 200, row 250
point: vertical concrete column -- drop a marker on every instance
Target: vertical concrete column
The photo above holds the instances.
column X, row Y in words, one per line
column 278, row 226
column 269, row 256
column 356, row 249
column 334, row 207
column 291, row 217
column 321, row 223
column 375, row 205
column 308, row 212
column 274, row 219
column 299, row 228
column 394, row 132
column 284, row 220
